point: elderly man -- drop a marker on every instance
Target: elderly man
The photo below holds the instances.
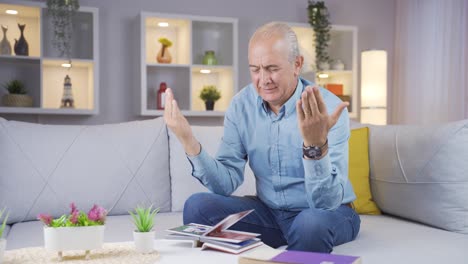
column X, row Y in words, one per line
column 297, row 150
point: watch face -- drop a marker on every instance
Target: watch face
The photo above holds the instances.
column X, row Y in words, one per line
column 312, row 152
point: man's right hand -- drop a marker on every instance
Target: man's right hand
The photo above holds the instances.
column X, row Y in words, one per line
column 179, row 125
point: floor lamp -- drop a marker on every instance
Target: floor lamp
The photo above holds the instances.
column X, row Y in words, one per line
column 374, row 87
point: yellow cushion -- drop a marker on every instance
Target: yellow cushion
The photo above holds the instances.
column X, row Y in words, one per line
column 359, row 171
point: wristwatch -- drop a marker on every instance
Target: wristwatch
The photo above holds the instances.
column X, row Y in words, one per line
column 314, row 152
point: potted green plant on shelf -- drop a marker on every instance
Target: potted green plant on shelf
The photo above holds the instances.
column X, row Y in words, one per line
column 209, row 94
column 2, row 228
column 61, row 13
column 75, row 231
column 319, row 20
column 17, row 95
column 143, row 218
column 164, row 56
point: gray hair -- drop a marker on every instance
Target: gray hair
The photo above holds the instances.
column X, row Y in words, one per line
column 278, row 28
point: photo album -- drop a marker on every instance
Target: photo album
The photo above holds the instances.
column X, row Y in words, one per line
column 218, row 237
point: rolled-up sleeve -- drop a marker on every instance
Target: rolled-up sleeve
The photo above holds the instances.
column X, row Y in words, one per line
column 325, row 178
column 223, row 174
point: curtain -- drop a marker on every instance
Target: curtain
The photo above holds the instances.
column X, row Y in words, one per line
column 431, row 62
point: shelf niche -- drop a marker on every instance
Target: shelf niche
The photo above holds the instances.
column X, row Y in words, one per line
column 82, row 79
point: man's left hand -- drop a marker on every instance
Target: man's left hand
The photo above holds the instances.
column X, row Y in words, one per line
column 314, row 121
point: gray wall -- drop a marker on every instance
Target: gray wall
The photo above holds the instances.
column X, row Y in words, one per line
column 119, row 27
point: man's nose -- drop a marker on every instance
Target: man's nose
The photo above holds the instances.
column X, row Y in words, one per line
column 264, row 76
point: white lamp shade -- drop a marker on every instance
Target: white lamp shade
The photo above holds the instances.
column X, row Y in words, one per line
column 374, row 78
column 374, row 87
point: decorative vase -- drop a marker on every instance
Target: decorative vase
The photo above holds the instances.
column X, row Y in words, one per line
column 73, row 238
column 164, row 56
column 209, row 105
column 17, row 100
column 21, row 45
column 5, row 46
column 338, row 65
column 2, row 248
column 210, row 58
column 144, row 241
column 323, row 66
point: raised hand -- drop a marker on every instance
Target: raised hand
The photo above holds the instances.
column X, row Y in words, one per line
column 313, row 119
column 179, row 125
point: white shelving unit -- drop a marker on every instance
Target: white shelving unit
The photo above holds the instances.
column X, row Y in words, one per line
column 191, row 37
column 343, row 46
column 41, row 72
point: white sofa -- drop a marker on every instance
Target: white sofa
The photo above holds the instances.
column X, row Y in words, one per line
column 43, row 168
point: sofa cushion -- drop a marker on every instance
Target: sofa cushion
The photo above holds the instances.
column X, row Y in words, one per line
column 43, row 168
column 421, row 173
column 182, row 182
column 359, row 171
column 389, row 240
column 119, row 228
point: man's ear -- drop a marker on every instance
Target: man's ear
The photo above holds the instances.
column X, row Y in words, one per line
column 298, row 63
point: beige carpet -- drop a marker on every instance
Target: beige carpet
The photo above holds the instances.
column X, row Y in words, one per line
column 110, row 253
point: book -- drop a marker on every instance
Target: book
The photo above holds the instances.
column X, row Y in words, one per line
column 234, row 248
column 267, row 255
column 219, row 231
column 218, row 236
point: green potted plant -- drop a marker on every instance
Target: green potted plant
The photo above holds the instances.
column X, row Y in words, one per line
column 143, row 218
column 61, row 13
column 209, row 94
column 164, row 56
column 17, row 95
column 319, row 20
column 2, row 228
column 75, row 231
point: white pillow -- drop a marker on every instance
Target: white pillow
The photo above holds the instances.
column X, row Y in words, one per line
column 43, row 168
column 421, row 173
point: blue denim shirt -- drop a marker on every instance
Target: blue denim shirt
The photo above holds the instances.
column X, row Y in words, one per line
column 272, row 144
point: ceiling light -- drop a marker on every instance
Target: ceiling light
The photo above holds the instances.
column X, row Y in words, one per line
column 205, row 71
column 163, row 24
column 66, row 65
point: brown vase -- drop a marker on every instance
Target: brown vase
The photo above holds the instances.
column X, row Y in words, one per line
column 164, row 56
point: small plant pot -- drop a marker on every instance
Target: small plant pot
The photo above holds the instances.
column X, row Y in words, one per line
column 17, row 100
column 209, row 105
column 2, row 249
column 73, row 238
column 144, row 241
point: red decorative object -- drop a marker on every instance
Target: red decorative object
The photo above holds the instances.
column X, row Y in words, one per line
column 161, row 96
column 335, row 88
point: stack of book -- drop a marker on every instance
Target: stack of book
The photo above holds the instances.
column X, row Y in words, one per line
column 218, row 237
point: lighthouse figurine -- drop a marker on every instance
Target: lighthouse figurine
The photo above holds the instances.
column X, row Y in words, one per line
column 67, row 98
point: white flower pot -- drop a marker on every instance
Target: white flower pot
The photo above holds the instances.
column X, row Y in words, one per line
column 73, row 238
column 144, row 241
column 2, row 249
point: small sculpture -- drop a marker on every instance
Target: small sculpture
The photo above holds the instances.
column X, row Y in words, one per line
column 5, row 46
column 67, row 98
column 21, row 45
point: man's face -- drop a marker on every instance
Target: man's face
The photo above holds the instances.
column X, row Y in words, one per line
column 272, row 74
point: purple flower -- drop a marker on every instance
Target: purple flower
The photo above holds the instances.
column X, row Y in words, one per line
column 45, row 218
column 74, row 217
column 74, row 214
column 73, row 208
column 97, row 214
